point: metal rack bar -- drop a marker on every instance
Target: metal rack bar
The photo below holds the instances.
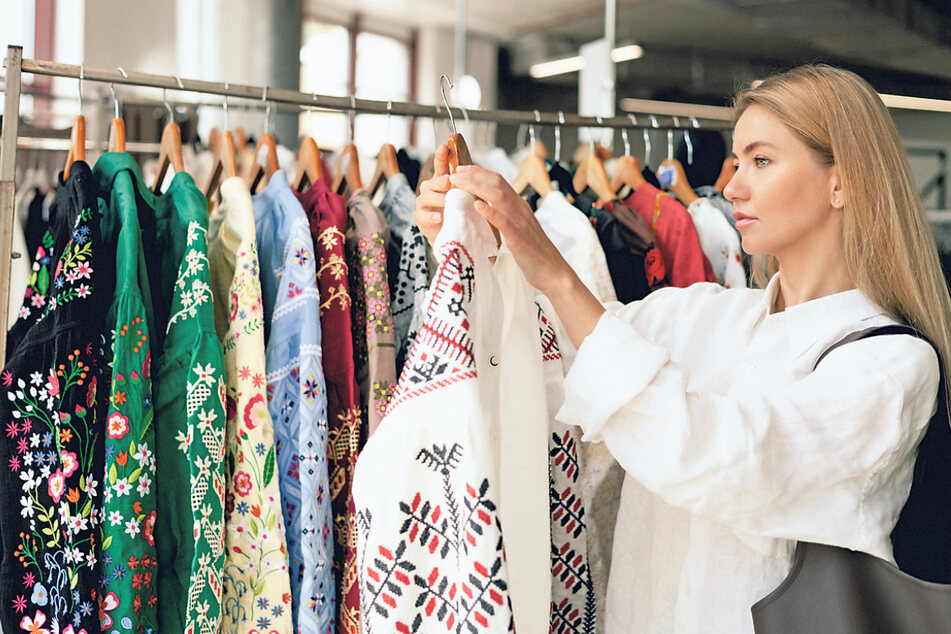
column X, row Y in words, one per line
column 16, row 65
column 368, row 106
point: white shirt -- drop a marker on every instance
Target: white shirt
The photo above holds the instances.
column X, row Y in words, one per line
column 575, row 238
column 719, row 243
column 735, row 448
column 460, row 459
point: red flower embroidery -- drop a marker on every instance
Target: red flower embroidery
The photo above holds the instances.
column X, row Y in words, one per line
column 242, row 483
column 117, row 425
column 255, row 411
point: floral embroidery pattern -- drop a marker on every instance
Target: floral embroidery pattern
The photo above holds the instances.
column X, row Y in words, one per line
column 297, row 402
column 191, row 445
column 374, row 342
column 129, row 562
column 257, row 592
column 328, row 216
column 51, row 421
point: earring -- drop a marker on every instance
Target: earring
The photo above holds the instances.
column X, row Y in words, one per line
column 836, row 202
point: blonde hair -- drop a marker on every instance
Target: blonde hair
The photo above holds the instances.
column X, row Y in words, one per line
column 890, row 252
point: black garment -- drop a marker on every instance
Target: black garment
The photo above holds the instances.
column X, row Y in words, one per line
column 409, row 167
column 650, row 176
column 562, row 179
column 35, row 224
column 52, row 457
column 626, row 265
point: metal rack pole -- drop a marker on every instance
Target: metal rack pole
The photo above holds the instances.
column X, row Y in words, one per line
column 369, row 106
column 8, row 153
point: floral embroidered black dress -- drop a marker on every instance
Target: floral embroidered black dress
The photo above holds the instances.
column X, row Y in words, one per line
column 51, row 454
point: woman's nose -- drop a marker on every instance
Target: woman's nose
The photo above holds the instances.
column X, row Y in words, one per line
column 734, row 187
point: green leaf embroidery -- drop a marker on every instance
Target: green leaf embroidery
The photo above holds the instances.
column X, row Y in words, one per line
column 269, row 466
column 106, row 543
column 135, row 475
column 112, row 474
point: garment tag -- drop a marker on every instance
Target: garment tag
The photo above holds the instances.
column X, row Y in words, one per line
column 667, row 175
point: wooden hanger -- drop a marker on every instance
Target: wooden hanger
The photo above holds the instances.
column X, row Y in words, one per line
column 681, row 188
column 726, row 173
column 240, row 141
column 458, row 152
column 117, row 135
column 213, row 136
column 627, row 172
column 386, row 167
column 77, row 144
column 225, row 164
column 170, row 154
column 257, row 172
column 591, row 173
column 532, row 172
column 309, row 169
column 349, row 178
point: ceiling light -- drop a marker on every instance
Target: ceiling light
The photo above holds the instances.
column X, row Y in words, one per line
column 576, row 62
column 557, row 67
column 626, row 53
column 916, row 103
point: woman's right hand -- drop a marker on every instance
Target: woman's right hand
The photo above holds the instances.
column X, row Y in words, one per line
column 432, row 196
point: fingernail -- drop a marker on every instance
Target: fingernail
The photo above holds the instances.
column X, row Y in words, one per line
column 435, row 217
column 457, row 179
column 463, row 168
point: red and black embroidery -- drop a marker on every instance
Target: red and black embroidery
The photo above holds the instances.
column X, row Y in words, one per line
column 573, row 608
column 460, row 592
column 442, row 353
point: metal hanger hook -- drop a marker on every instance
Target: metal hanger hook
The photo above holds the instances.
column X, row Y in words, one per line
column 82, row 75
column 353, row 117
column 633, row 119
column 627, row 142
column 267, row 112
column 561, row 121
column 647, row 146
column 694, row 122
column 112, row 87
column 171, row 113
column 689, row 143
column 531, row 129
column 442, row 89
column 225, row 106
column 389, row 116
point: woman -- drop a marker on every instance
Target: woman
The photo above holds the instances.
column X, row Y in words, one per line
column 734, row 447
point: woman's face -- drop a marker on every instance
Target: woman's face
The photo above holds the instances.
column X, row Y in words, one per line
column 783, row 198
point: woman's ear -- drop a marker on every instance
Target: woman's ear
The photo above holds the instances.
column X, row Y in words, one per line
column 836, row 195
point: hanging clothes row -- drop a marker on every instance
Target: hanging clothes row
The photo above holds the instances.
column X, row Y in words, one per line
column 242, row 347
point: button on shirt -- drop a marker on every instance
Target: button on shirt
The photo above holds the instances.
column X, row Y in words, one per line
column 735, row 448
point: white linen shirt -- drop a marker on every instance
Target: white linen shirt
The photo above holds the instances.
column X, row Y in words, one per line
column 735, row 448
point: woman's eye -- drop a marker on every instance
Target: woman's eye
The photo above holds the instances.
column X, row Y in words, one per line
column 761, row 162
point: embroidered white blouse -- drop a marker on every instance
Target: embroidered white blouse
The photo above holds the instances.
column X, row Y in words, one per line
column 735, row 448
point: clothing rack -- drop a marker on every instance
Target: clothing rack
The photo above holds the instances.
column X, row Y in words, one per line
column 15, row 66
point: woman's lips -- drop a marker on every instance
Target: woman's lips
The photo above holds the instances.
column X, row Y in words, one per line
column 742, row 220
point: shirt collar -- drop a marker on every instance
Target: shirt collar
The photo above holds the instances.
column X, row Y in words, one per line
column 818, row 323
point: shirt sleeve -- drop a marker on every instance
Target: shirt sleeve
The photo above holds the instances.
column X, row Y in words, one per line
column 772, row 462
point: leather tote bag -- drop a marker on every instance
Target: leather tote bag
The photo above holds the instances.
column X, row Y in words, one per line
column 841, row 591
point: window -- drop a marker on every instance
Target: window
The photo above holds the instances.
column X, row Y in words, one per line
column 382, row 73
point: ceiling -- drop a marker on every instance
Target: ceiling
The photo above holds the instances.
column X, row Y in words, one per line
column 704, row 47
